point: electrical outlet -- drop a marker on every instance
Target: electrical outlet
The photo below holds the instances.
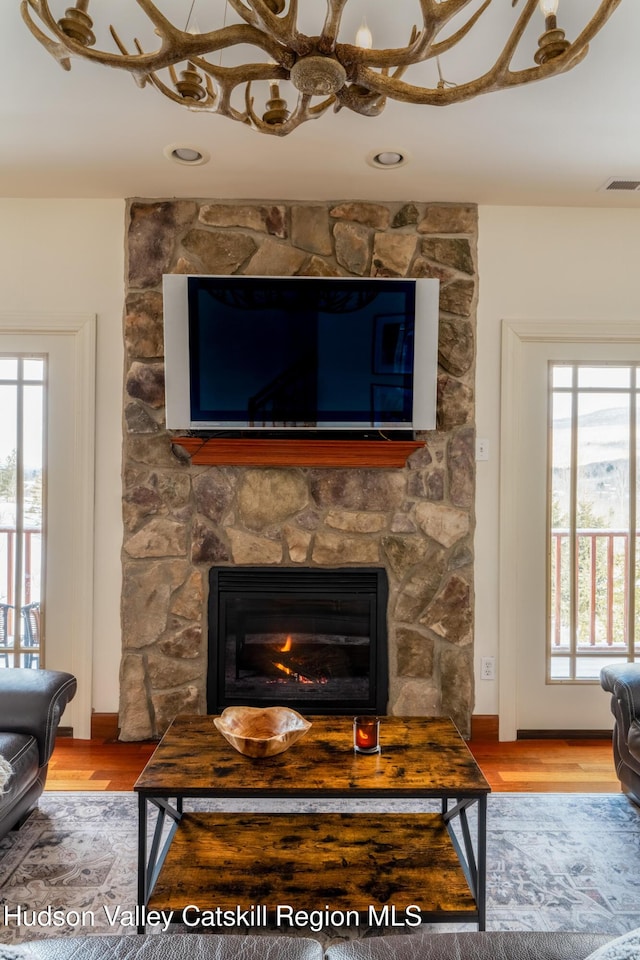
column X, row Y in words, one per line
column 482, row 449
column 488, row 668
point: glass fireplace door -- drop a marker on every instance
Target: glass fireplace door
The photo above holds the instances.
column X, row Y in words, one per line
column 307, row 639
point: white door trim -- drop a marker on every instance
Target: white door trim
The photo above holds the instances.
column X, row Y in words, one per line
column 515, row 333
column 82, row 329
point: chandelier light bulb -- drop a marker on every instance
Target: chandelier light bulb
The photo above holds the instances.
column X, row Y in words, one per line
column 549, row 8
column 364, row 37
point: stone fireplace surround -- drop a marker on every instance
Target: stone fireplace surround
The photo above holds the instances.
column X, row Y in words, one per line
column 181, row 519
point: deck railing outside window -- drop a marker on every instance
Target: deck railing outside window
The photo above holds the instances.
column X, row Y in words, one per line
column 16, row 623
column 603, row 625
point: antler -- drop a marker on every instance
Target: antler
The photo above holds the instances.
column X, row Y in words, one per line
column 342, row 74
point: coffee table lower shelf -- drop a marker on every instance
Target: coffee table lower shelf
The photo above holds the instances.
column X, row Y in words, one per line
column 353, row 862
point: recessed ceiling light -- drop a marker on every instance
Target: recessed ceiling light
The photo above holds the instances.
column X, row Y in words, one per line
column 186, row 153
column 387, row 159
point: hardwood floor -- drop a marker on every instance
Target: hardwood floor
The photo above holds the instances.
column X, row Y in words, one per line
column 548, row 766
column 96, row 764
column 531, row 766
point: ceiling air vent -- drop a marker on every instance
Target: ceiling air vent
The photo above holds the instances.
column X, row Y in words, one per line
column 619, row 183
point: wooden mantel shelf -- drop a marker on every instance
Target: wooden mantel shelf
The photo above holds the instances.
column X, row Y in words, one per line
column 263, row 452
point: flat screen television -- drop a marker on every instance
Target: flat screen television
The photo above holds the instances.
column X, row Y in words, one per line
column 287, row 354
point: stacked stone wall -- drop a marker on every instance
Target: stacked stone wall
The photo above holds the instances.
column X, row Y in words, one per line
column 181, row 519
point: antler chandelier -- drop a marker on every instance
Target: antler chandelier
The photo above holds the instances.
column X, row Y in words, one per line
column 322, row 72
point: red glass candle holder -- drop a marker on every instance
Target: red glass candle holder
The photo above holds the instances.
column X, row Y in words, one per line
column 366, row 734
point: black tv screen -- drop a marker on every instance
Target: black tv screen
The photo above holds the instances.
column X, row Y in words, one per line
column 274, row 353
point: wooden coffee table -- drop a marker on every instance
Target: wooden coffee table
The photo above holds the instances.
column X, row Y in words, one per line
column 390, row 868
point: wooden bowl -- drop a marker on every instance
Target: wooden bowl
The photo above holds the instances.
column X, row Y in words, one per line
column 261, row 731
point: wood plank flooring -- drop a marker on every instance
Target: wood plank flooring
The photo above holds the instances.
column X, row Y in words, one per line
column 96, row 764
column 529, row 766
column 548, row 766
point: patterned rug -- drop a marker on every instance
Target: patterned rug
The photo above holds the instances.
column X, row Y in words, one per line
column 555, row 862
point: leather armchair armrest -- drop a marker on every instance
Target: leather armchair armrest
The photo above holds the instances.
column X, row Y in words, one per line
column 622, row 681
column 32, row 702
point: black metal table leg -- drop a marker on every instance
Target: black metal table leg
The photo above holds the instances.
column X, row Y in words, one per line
column 482, row 863
column 149, row 866
column 473, row 862
column 142, row 858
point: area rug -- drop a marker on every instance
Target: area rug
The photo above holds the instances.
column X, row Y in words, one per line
column 555, row 862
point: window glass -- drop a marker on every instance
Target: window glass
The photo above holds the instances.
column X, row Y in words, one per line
column 592, row 537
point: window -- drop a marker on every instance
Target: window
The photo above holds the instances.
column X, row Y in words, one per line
column 594, row 603
column 22, row 393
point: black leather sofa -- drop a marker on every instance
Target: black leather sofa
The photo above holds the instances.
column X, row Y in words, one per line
column 622, row 681
column 31, row 704
column 415, row 946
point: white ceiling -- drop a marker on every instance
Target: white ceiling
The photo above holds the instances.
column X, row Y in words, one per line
column 92, row 132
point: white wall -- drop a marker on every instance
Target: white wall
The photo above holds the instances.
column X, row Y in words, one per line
column 59, row 255
column 536, row 263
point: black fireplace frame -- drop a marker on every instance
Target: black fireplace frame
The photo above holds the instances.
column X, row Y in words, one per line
column 371, row 581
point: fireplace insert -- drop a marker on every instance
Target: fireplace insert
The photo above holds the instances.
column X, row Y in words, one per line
column 311, row 639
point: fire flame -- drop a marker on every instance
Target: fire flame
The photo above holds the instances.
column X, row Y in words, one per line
column 292, row 673
column 288, row 671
